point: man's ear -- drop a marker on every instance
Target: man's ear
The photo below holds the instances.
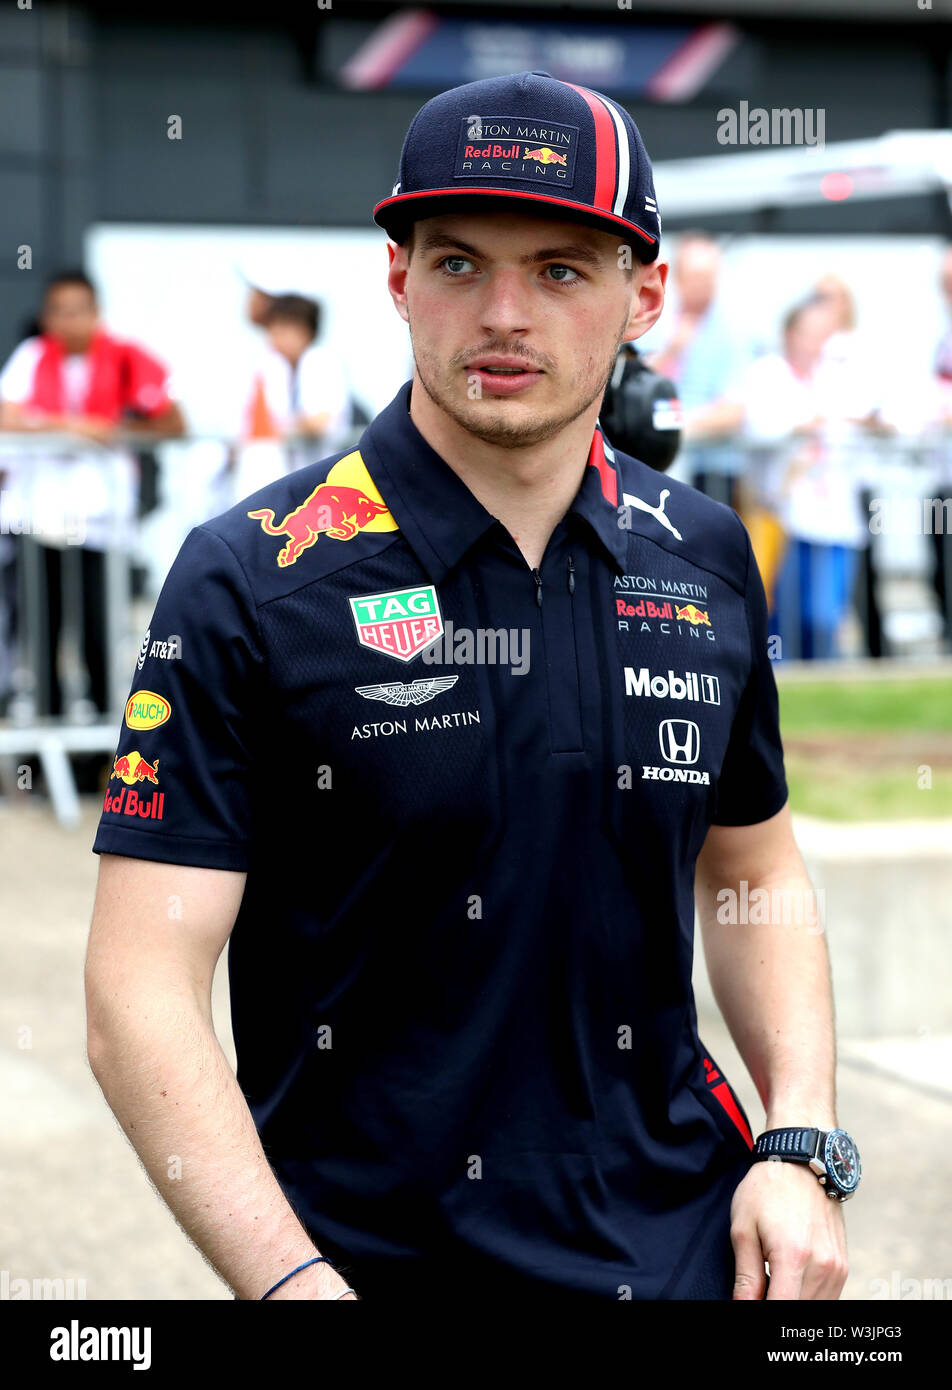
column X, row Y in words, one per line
column 397, row 280
column 647, row 301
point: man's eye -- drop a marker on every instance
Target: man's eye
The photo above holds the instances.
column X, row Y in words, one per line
column 562, row 280
column 457, row 260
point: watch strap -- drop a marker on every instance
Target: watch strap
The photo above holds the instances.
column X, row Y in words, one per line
column 797, row 1144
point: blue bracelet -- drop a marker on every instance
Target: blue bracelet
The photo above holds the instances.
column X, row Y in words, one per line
column 293, row 1272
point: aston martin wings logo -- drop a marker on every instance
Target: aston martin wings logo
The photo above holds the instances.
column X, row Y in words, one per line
column 416, row 693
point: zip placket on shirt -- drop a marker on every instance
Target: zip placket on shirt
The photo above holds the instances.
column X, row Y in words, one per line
column 557, row 632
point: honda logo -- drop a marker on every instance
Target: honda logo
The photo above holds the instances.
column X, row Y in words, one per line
column 680, row 740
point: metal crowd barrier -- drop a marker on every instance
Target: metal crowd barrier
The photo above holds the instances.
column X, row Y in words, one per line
column 28, row 731
column 908, row 467
column 904, row 487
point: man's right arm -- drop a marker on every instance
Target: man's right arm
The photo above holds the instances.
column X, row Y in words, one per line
column 152, row 1047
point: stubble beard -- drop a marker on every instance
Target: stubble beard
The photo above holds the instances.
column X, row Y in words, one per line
column 501, row 427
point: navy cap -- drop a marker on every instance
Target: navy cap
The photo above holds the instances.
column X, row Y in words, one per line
column 537, row 142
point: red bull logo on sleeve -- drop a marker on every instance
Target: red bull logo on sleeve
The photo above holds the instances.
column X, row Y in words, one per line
column 134, row 770
column 346, row 503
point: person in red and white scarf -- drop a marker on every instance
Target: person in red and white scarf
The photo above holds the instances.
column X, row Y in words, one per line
column 76, row 378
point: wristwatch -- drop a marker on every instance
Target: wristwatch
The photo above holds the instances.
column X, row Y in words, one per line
column 832, row 1154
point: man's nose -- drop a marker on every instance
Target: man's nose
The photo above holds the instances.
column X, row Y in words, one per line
column 506, row 305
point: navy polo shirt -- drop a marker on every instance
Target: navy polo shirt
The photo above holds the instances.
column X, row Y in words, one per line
column 468, row 797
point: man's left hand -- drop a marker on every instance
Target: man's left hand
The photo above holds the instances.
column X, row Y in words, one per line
column 780, row 1213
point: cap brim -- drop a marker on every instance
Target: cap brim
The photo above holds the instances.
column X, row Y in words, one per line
column 396, row 215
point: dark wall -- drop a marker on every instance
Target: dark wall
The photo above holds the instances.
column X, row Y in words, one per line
column 85, row 97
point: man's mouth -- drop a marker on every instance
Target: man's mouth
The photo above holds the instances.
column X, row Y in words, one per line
column 502, row 376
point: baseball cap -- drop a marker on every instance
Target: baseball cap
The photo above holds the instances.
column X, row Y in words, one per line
column 527, row 140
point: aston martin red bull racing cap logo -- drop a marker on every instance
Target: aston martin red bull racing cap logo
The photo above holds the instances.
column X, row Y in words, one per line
column 511, row 147
column 342, row 506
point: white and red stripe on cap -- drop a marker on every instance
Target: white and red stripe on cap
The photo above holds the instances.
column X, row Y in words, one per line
column 612, row 155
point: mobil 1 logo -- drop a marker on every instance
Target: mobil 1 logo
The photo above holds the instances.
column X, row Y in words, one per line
column 692, row 686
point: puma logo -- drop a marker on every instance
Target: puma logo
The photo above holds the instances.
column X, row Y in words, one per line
column 657, row 512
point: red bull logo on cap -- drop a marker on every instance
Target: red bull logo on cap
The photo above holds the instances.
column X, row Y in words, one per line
column 545, row 156
column 346, row 503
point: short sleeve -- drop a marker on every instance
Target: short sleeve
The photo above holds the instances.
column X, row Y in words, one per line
column 180, row 789
column 752, row 784
column 148, row 382
column 322, row 384
column 16, row 378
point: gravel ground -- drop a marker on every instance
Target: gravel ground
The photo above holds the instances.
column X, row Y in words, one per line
column 76, row 1203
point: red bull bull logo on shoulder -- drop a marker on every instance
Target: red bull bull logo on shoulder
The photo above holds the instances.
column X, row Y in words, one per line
column 346, row 503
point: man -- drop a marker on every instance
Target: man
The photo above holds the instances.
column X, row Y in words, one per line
column 700, row 352
column 311, row 397
column 298, row 388
column 76, row 378
column 940, row 543
column 798, row 406
column 459, row 881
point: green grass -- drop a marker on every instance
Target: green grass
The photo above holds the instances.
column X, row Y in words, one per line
column 848, row 794
column 854, row 750
column 867, row 706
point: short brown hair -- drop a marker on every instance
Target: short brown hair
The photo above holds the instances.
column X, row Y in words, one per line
column 295, row 308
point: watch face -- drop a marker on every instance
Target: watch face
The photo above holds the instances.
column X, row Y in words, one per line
column 842, row 1159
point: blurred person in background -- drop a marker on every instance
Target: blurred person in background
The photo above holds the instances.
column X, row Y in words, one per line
column 299, row 393
column 794, row 410
column 702, row 355
column 76, row 378
column 851, row 369
column 311, row 396
column 259, row 457
column 939, row 539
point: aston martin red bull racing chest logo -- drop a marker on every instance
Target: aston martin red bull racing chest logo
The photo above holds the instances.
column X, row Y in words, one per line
column 344, row 504
column 671, row 607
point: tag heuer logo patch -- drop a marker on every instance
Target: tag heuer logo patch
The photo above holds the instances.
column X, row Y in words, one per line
column 400, row 623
